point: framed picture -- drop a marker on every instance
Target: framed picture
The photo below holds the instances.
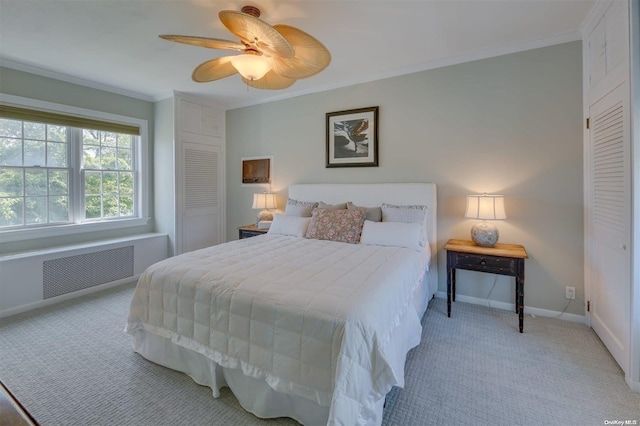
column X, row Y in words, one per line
column 352, row 138
column 257, row 170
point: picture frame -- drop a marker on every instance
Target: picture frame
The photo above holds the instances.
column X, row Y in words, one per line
column 257, row 171
column 352, row 138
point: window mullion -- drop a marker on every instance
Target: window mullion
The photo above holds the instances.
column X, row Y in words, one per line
column 24, row 181
column 24, row 194
column 76, row 195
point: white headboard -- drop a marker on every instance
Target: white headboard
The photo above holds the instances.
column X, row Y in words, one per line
column 374, row 194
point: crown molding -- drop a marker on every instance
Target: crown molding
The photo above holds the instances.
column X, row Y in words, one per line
column 7, row 63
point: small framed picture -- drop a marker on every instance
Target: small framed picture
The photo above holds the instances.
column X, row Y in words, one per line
column 352, row 138
column 257, row 170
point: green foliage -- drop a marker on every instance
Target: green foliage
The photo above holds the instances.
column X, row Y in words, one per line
column 10, row 128
column 59, row 209
column 10, row 152
column 11, row 210
column 11, row 182
column 35, row 179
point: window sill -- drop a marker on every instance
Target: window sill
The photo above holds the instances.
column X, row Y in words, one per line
column 75, row 228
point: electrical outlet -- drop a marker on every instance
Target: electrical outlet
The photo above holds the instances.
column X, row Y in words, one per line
column 570, row 293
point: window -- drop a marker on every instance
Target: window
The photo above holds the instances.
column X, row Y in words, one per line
column 34, row 173
column 58, row 169
column 107, row 174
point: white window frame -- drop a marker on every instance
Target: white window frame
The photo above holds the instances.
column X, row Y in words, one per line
column 142, row 167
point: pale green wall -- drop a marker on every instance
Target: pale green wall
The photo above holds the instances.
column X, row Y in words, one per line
column 32, row 86
column 509, row 125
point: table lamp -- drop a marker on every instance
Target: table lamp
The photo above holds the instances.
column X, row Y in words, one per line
column 485, row 207
column 264, row 201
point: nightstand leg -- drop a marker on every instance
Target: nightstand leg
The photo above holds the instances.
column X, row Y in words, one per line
column 520, row 287
column 453, row 285
column 449, row 273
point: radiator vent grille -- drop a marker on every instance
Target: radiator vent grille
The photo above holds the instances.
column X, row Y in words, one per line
column 73, row 273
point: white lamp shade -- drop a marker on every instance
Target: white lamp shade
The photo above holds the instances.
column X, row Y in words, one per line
column 251, row 67
column 485, row 207
column 265, row 200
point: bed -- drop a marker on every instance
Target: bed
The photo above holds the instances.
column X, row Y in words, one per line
column 314, row 330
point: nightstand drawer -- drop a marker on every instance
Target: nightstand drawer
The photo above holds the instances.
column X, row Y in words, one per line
column 249, row 234
column 249, row 231
column 492, row 264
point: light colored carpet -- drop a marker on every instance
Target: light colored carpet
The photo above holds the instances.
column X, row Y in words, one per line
column 71, row 364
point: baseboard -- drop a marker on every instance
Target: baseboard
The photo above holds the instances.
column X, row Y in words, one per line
column 635, row 386
column 52, row 301
column 511, row 307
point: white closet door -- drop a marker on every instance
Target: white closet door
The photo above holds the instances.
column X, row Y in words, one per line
column 201, row 206
column 200, row 174
column 610, row 211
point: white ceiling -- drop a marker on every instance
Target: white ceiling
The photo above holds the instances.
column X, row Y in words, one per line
column 114, row 44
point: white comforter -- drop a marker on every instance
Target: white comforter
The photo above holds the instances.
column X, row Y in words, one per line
column 311, row 318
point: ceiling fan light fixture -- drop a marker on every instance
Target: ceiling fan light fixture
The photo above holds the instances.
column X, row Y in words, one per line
column 272, row 57
column 250, row 66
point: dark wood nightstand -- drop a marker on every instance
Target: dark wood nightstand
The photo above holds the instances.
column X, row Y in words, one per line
column 503, row 259
column 248, row 231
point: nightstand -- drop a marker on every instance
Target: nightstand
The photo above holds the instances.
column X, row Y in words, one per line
column 503, row 259
column 248, row 231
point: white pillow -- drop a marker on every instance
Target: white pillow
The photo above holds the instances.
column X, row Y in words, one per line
column 407, row 214
column 289, row 225
column 396, row 234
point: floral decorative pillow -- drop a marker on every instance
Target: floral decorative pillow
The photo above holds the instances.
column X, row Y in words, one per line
column 336, row 225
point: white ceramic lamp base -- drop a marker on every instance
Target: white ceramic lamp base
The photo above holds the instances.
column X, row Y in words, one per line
column 264, row 216
column 484, row 234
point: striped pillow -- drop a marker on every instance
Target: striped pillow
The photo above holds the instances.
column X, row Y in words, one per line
column 299, row 208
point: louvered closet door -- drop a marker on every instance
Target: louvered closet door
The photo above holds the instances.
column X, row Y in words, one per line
column 201, row 196
column 609, row 260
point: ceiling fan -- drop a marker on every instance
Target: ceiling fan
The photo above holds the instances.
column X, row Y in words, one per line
column 273, row 57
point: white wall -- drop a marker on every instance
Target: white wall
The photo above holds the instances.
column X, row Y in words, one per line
column 164, row 177
column 509, row 125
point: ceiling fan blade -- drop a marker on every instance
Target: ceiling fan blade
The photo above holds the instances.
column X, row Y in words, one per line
column 211, row 43
column 215, row 69
column 256, row 33
column 311, row 56
column 271, row 81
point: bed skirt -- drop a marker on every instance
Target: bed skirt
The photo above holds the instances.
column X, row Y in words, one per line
column 254, row 395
